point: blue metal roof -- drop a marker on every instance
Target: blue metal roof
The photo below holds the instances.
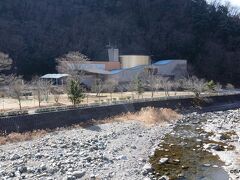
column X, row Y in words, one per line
column 116, row 71
column 54, row 76
column 163, row 62
column 120, row 70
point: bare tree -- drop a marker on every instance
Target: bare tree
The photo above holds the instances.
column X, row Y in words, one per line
column 167, row 85
column 157, row 85
column 175, row 86
column 195, row 85
column 97, row 87
column 73, row 64
column 5, row 64
column 47, row 89
column 163, row 83
column 218, row 87
column 56, row 92
column 38, row 88
column 121, row 88
column 132, row 86
column 230, row 86
column 150, row 80
column 41, row 89
column 16, row 88
column 110, row 86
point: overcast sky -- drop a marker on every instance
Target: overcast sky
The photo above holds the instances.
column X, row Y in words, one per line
column 233, row 2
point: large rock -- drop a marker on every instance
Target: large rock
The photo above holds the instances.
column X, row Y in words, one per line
column 122, row 157
column 14, row 157
column 163, row 160
column 164, row 178
column 78, row 174
column 147, row 168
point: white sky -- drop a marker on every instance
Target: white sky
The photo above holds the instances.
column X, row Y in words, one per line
column 233, row 2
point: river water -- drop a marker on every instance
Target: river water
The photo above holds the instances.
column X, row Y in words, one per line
column 181, row 154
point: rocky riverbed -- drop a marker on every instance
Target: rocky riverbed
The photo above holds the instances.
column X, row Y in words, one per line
column 108, row 151
column 224, row 128
column 122, row 150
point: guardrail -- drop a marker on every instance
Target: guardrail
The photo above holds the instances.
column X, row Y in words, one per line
column 13, row 113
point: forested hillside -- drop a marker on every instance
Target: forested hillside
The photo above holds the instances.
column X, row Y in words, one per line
column 35, row 32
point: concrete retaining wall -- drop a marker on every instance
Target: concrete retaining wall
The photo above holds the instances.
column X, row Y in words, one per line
column 53, row 120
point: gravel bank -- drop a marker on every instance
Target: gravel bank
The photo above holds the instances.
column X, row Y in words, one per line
column 225, row 129
column 109, row 151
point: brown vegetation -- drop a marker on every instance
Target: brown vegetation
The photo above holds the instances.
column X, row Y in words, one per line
column 18, row 137
column 151, row 115
column 148, row 115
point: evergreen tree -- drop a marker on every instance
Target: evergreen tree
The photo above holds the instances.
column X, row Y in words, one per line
column 75, row 92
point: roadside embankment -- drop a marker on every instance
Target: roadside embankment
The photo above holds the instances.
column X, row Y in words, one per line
column 70, row 117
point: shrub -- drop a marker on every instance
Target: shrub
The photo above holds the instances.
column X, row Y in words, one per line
column 229, row 86
column 211, row 85
column 129, row 98
column 16, row 113
column 96, row 101
column 122, row 98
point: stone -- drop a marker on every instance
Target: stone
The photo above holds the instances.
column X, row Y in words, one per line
column 122, row 157
column 17, row 174
column 14, row 157
column 78, row 174
column 164, row 178
column 43, row 167
column 176, row 160
column 218, row 147
column 163, row 160
column 206, row 165
column 69, row 177
column 146, row 178
column 38, row 156
column 181, row 175
column 198, row 140
column 147, row 168
column 22, row 169
column 133, row 147
column 185, row 167
column 93, row 176
column 224, row 137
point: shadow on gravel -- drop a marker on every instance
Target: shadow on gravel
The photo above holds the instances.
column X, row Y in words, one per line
column 93, row 128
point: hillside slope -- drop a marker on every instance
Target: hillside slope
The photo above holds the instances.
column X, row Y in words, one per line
column 34, row 33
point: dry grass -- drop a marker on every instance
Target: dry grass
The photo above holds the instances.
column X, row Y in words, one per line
column 148, row 115
column 19, row 137
column 151, row 115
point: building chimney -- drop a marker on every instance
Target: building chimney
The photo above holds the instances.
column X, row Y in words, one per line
column 113, row 54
